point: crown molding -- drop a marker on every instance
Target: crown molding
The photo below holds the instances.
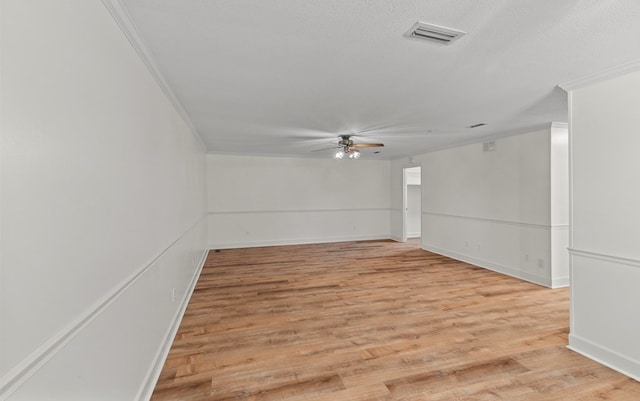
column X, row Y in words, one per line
column 600, row 76
column 121, row 16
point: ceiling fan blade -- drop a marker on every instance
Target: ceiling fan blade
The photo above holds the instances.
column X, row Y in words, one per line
column 323, row 149
column 368, row 145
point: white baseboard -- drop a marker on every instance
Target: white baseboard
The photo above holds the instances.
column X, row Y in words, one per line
column 413, row 235
column 301, row 241
column 543, row 281
column 621, row 363
column 560, row 282
column 146, row 390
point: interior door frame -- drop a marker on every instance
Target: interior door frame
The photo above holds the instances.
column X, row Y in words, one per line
column 404, row 198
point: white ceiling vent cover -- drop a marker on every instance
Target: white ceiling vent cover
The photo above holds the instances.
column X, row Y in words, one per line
column 434, row 33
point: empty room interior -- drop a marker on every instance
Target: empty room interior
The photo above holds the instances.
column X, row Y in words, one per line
column 319, row 200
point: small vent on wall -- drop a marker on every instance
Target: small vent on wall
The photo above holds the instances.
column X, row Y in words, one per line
column 489, row 146
column 434, row 33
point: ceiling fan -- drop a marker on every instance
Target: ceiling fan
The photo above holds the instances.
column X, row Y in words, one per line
column 347, row 147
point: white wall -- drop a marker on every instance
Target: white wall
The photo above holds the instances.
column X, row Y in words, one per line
column 605, row 260
column 102, row 207
column 255, row 201
column 494, row 209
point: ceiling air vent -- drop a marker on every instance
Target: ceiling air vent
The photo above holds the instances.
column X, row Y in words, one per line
column 434, row 33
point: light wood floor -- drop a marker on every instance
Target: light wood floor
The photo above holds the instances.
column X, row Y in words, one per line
column 374, row 320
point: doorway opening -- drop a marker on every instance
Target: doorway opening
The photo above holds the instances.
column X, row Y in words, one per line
column 412, row 204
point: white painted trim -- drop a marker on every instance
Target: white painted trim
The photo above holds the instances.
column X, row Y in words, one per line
column 543, row 281
column 299, row 241
column 381, row 209
column 405, row 199
column 496, row 221
column 571, row 168
column 614, row 360
column 560, row 125
column 604, row 257
column 151, row 378
column 34, row 361
column 403, row 233
column 2, row 378
column 328, row 155
column 571, row 197
column 122, row 18
column 560, row 282
column 601, row 76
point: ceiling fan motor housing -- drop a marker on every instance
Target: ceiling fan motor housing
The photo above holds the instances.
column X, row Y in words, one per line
column 345, row 141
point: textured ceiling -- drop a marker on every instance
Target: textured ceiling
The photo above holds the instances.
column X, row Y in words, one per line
column 287, row 77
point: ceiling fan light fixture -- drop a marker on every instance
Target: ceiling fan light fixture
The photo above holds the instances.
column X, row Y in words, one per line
column 346, row 147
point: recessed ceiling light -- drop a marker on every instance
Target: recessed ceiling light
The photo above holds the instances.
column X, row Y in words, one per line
column 434, row 33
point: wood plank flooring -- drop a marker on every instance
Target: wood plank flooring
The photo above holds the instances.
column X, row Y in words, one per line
column 374, row 320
